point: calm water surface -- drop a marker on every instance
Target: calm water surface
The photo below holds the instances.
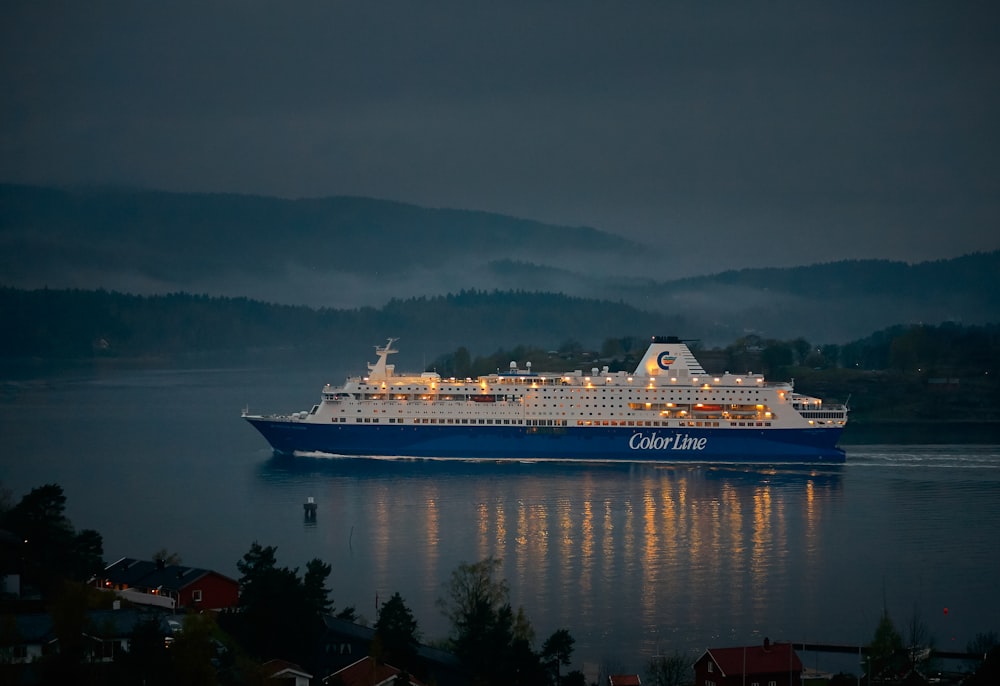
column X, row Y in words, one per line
column 632, row 559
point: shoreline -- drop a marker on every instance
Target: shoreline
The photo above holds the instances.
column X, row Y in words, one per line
column 921, row 432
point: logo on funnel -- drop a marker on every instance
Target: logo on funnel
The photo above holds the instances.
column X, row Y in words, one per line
column 665, row 359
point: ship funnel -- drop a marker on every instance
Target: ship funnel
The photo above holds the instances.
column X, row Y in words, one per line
column 668, row 356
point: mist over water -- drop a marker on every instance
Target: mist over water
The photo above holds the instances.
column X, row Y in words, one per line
column 632, row 559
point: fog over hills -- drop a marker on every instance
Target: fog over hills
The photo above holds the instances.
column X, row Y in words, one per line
column 331, row 252
column 347, row 252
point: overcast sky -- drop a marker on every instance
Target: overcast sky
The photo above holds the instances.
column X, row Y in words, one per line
column 726, row 134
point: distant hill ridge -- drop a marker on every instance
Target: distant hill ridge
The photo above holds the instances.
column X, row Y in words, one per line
column 343, row 232
column 876, row 276
column 348, row 252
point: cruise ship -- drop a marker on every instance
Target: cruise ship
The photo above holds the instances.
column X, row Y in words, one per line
column 668, row 410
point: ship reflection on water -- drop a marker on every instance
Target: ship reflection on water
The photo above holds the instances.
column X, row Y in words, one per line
column 635, row 554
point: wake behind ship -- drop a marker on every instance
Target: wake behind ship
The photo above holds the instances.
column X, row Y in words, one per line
column 668, row 410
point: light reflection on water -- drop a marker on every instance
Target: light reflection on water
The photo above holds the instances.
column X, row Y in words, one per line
column 636, row 559
column 630, row 540
column 632, row 559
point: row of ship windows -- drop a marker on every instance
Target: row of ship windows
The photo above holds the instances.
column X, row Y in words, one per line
column 633, row 402
column 670, row 406
column 823, row 415
column 425, row 420
column 664, row 413
column 655, row 407
column 380, row 393
column 686, row 391
column 549, row 422
column 674, row 401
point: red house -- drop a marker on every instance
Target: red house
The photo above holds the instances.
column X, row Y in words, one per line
column 175, row 585
column 770, row 664
column 367, row 672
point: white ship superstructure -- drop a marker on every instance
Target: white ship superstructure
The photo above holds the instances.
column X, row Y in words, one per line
column 669, row 407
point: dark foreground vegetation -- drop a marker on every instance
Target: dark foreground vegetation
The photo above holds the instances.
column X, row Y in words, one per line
column 284, row 614
column 281, row 614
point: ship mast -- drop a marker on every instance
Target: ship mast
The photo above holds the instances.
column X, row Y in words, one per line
column 380, row 370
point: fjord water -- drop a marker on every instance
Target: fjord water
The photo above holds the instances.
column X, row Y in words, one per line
column 634, row 560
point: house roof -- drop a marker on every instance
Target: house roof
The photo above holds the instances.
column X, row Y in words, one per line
column 348, row 629
column 278, row 669
column 117, row 623
column 770, row 658
column 624, row 680
column 148, row 574
column 38, row 627
column 34, row 628
column 366, row 672
column 365, row 634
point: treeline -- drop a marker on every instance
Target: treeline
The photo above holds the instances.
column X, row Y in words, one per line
column 80, row 324
column 913, row 373
column 949, row 349
column 564, row 330
column 969, row 274
column 946, row 349
column 904, row 372
column 921, row 374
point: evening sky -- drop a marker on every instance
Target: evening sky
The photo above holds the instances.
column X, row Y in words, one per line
column 726, row 134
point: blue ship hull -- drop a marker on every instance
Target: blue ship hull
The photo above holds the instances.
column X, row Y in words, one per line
column 555, row 443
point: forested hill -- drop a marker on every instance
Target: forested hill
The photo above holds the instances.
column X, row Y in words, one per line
column 336, row 251
column 74, row 324
column 858, row 278
column 834, row 301
column 345, row 252
column 341, row 232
